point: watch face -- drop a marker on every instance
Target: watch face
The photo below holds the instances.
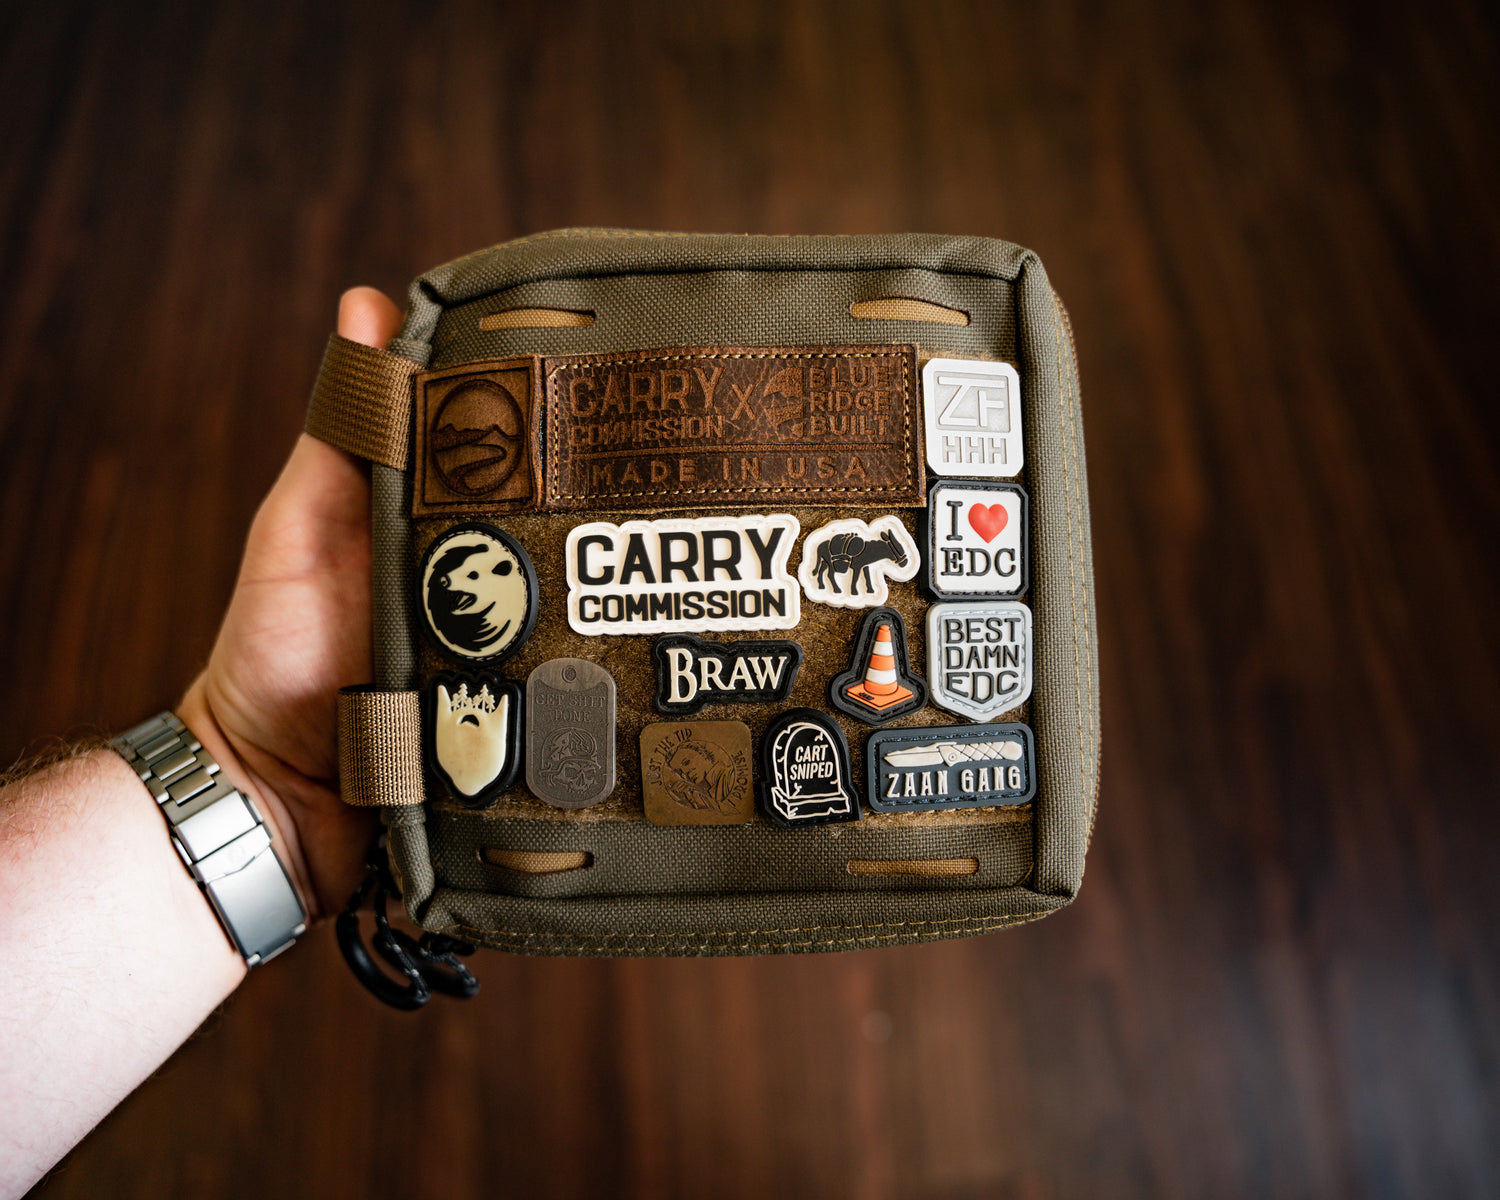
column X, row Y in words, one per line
column 478, row 592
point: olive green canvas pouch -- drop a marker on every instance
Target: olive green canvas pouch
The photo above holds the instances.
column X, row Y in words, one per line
column 647, row 381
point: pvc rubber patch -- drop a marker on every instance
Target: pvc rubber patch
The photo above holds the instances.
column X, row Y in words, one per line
column 950, row 766
column 570, row 732
column 697, row 773
column 976, row 540
column 691, row 672
column 477, row 591
column 474, row 735
column 972, row 413
column 979, row 657
column 683, row 575
column 879, row 685
column 864, row 555
column 805, row 777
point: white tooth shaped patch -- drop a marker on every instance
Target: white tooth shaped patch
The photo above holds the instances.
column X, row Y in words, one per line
column 474, row 735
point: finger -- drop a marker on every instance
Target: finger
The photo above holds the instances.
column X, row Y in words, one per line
column 368, row 316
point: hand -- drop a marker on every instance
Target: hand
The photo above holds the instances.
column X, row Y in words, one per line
column 298, row 629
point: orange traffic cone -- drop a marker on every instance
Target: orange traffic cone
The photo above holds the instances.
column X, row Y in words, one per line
column 882, row 687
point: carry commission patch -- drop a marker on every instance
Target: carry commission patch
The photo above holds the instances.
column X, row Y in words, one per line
column 683, row 575
column 726, row 427
column 950, row 766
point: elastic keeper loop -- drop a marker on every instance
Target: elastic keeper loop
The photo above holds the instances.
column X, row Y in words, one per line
column 380, row 748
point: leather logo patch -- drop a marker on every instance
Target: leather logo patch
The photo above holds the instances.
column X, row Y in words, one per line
column 474, row 445
column 732, row 427
column 697, row 773
column 950, row 766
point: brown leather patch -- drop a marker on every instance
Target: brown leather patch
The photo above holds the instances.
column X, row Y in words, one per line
column 697, row 773
column 475, row 444
column 730, row 427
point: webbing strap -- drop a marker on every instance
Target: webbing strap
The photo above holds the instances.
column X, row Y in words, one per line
column 380, row 748
column 361, row 402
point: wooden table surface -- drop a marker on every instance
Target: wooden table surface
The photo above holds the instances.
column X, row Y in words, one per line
column 1277, row 229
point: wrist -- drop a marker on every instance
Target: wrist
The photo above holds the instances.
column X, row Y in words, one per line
column 196, row 712
column 219, row 834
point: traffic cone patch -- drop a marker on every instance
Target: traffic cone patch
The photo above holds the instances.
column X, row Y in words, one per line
column 879, row 685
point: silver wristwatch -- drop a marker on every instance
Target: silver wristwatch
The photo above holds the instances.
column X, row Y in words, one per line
column 219, row 835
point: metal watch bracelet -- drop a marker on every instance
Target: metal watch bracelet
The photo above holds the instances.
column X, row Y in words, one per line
column 219, row 835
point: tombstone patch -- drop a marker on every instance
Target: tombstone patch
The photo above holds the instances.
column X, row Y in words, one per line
column 691, row 672
column 846, row 563
column 979, row 657
column 570, row 732
column 972, row 412
column 879, row 685
column 477, row 590
column 950, row 766
column 474, row 735
column 805, row 776
column 977, row 540
column 683, row 575
column 697, row 773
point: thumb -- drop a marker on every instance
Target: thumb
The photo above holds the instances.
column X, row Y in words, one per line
column 320, row 505
column 368, row 316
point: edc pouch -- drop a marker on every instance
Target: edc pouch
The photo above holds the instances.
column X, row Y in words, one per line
column 732, row 594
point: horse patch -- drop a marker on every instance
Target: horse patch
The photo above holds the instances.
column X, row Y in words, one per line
column 846, row 563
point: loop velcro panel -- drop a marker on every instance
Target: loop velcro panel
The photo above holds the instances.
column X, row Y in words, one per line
column 380, row 748
column 361, row 402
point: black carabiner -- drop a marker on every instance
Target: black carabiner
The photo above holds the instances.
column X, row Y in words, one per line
column 426, row 966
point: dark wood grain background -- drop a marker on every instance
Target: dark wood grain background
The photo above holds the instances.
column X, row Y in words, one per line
column 1277, row 229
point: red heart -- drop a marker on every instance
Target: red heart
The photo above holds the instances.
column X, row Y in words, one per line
column 988, row 519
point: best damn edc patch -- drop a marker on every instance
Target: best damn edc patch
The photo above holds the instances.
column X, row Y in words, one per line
column 979, row 657
column 731, row 426
column 683, row 575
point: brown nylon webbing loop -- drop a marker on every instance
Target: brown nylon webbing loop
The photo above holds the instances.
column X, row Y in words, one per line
column 537, row 862
column 380, row 748
column 900, row 308
column 914, row 868
column 361, row 402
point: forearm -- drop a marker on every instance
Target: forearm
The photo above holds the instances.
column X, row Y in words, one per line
column 110, row 956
